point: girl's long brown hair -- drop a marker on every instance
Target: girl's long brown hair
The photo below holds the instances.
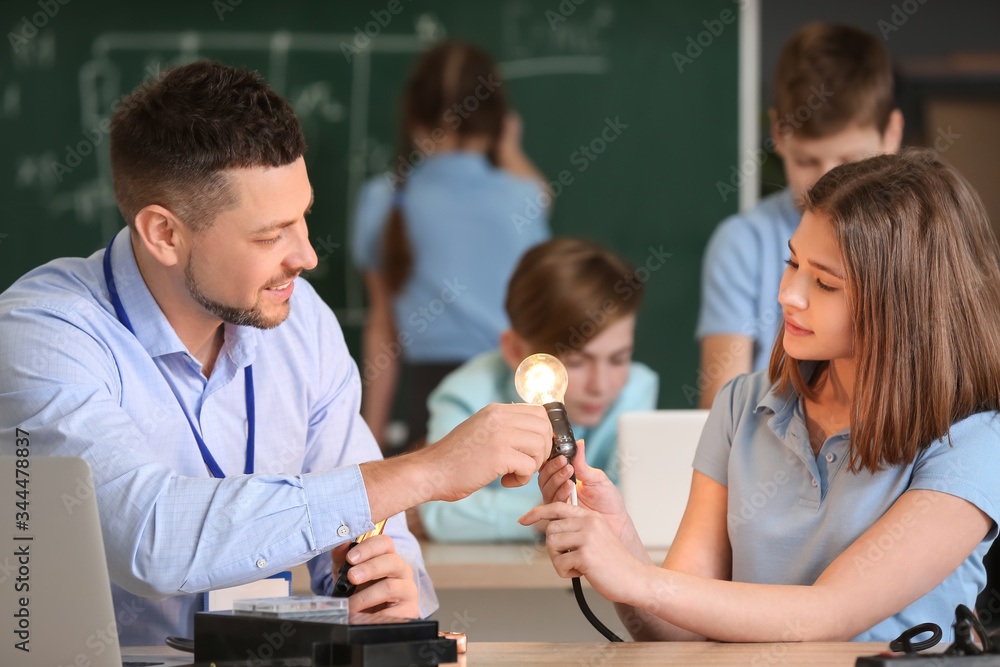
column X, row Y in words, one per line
column 923, row 286
column 454, row 88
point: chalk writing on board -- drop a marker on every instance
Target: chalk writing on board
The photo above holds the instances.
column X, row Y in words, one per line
column 327, row 107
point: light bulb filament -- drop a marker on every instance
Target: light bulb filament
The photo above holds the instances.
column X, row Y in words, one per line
column 541, row 379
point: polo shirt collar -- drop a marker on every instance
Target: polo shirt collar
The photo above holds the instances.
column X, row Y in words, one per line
column 778, row 402
column 788, row 207
column 459, row 161
column 788, row 413
column 152, row 329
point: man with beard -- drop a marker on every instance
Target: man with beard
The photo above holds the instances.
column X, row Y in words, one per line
column 209, row 388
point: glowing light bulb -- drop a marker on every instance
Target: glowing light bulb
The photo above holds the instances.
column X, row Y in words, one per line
column 541, row 379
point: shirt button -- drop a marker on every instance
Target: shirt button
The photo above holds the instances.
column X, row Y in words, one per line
column 261, row 562
column 814, row 482
column 343, row 531
column 831, row 457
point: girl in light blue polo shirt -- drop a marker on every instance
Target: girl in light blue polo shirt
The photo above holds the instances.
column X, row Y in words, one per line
column 851, row 491
column 438, row 236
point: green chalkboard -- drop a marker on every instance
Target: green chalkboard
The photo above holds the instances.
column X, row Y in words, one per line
column 573, row 69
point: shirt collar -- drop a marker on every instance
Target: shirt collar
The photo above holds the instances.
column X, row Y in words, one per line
column 786, row 406
column 461, row 161
column 778, row 402
column 152, row 329
column 240, row 344
column 788, row 207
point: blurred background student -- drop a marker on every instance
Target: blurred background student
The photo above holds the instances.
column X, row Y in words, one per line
column 570, row 298
column 833, row 103
column 438, row 237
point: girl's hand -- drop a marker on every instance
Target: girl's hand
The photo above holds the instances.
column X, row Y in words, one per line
column 594, row 490
column 581, row 543
column 384, row 581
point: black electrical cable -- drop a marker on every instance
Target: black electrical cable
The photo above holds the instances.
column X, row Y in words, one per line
column 904, row 643
column 965, row 623
column 564, row 444
column 585, row 608
column 180, row 643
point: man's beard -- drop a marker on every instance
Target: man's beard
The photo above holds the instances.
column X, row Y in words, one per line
column 242, row 317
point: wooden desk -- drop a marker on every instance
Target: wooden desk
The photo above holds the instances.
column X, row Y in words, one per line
column 690, row 654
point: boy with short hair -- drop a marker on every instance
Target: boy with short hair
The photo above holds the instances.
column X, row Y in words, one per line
column 833, row 103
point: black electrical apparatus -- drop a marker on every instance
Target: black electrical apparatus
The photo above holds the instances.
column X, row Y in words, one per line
column 962, row 652
column 227, row 639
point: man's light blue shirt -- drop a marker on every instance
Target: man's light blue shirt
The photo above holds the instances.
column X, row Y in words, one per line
column 83, row 385
column 791, row 513
column 491, row 513
column 468, row 223
column 741, row 272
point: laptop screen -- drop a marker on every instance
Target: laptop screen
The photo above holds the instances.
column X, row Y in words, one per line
column 656, row 450
column 55, row 595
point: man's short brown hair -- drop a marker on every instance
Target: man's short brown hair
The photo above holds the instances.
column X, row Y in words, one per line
column 173, row 138
column 830, row 77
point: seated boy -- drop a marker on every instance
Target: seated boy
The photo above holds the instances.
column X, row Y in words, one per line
column 562, row 300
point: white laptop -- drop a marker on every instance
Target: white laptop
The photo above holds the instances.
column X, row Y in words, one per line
column 55, row 594
column 655, row 454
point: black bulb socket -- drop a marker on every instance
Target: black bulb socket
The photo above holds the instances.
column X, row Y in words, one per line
column 563, row 440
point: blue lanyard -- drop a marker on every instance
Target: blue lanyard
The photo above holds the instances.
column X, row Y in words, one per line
column 206, row 455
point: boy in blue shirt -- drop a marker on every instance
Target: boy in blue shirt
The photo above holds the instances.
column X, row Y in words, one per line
column 567, row 297
column 833, row 103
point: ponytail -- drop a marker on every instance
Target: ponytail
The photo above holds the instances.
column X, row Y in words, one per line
column 445, row 76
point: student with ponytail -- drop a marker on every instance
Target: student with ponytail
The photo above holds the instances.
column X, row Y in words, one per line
column 439, row 235
column 849, row 491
